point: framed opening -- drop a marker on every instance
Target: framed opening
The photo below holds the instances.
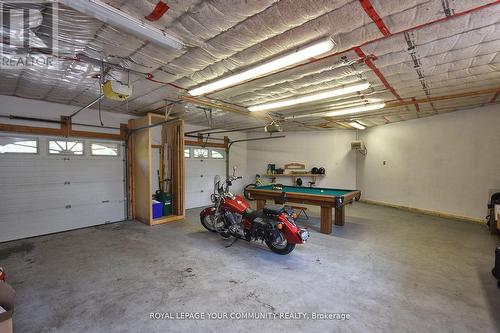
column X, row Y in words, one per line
column 105, row 149
column 16, row 145
column 62, row 147
column 217, row 154
column 200, row 153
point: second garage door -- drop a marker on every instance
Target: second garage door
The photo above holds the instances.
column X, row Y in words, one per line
column 201, row 166
column 53, row 184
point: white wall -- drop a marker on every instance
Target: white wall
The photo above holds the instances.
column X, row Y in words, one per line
column 445, row 163
column 11, row 105
column 328, row 149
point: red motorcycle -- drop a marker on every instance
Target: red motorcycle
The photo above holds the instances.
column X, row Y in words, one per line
column 231, row 216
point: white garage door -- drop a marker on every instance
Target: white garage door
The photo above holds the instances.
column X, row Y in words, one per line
column 201, row 165
column 53, row 184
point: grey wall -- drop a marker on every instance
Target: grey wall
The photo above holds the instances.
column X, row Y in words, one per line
column 445, row 163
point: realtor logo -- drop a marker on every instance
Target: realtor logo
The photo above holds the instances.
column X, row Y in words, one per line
column 29, row 31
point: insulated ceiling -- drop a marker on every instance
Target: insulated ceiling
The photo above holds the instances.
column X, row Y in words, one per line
column 421, row 58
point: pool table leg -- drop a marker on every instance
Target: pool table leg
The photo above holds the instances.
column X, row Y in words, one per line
column 260, row 204
column 340, row 215
column 326, row 220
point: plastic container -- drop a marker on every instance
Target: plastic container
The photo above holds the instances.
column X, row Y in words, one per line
column 157, row 209
column 166, row 200
column 167, row 207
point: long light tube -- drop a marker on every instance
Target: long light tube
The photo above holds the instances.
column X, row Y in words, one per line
column 358, row 109
column 115, row 17
column 309, row 98
column 299, row 55
column 357, row 125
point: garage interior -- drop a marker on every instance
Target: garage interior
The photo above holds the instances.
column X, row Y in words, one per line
column 375, row 123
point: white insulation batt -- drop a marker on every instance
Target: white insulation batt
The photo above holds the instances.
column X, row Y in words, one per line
column 434, row 49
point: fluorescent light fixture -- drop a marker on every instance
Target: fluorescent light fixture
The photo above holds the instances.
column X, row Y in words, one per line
column 357, row 125
column 115, row 17
column 299, row 55
column 309, row 98
column 357, row 109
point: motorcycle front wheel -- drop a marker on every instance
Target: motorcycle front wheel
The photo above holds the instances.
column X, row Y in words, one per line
column 208, row 222
column 280, row 245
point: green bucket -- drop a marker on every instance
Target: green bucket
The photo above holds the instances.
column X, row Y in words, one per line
column 166, row 201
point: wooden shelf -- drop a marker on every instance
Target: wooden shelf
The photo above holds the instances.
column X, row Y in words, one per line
column 167, row 219
column 274, row 175
column 293, row 176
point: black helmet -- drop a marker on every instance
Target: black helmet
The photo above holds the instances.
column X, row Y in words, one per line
column 321, row 171
column 314, row 171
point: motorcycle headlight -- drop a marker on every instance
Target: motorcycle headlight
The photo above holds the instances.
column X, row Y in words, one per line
column 304, row 234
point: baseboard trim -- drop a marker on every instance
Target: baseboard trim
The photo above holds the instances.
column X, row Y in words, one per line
column 425, row 211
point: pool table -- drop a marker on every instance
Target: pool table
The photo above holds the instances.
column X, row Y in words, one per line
column 327, row 198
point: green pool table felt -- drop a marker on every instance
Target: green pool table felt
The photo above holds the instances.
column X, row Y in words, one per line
column 308, row 190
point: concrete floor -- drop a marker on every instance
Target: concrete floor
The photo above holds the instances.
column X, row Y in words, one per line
column 388, row 269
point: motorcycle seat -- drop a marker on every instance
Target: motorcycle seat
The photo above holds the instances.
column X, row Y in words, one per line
column 275, row 209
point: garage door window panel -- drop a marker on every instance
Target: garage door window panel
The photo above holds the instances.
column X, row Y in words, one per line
column 200, row 153
column 15, row 145
column 187, row 152
column 217, row 154
column 104, row 149
column 58, row 147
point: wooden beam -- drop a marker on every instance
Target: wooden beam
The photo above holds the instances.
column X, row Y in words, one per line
column 224, row 107
column 31, row 130
column 494, row 98
column 66, row 125
column 442, row 98
column 203, row 144
column 390, row 105
column 94, row 135
column 64, row 130
column 123, row 131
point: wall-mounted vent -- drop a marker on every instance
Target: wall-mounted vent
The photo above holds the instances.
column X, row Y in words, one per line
column 357, row 145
